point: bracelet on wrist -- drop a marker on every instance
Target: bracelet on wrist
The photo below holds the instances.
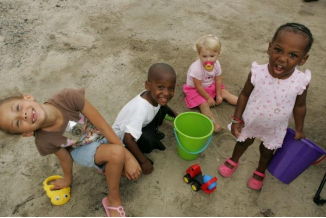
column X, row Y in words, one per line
column 236, row 120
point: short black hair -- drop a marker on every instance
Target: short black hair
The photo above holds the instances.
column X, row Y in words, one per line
column 157, row 69
column 298, row 29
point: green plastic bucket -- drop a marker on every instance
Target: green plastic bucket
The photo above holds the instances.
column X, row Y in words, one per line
column 193, row 132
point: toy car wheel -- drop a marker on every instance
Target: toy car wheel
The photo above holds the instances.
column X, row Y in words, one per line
column 195, row 186
column 187, row 178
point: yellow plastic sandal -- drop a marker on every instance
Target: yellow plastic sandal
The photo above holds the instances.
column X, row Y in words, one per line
column 58, row 197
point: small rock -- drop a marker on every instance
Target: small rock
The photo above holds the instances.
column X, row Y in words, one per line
column 268, row 213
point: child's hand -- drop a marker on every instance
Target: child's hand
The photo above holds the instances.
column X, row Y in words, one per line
column 236, row 129
column 211, row 102
column 60, row 184
column 299, row 135
column 219, row 100
column 147, row 167
column 132, row 168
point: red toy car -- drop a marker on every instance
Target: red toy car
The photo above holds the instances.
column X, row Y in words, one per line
column 194, row 176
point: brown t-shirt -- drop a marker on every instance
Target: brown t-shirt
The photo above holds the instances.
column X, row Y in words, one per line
column 71, row 103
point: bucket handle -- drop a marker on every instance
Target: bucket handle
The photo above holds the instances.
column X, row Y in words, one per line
column 195, row 152
column 318, row 161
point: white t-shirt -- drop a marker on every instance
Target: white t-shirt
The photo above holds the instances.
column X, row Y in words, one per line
column 135, row 115
column 198, row 71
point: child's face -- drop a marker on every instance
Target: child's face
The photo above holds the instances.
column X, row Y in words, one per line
column 207, row 56
column 286, row 52
column 21, row 115
column 161, row 88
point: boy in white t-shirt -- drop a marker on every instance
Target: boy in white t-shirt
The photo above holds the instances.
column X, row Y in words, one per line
column 138, row 121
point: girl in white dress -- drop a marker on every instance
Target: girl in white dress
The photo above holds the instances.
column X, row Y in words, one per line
column 271, row 94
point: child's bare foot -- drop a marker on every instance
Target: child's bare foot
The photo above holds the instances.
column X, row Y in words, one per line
column 217, row 127
column 132, row 169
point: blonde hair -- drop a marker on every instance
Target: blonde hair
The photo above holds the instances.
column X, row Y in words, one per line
column 208, row 42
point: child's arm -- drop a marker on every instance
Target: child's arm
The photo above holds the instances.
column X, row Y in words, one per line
column 100, row 123
column 218, row 87
column 241, row 105
column 66, row 163
column 132, row 146
column 299, row 113
column 200, row 89
column 131, row 168
column 171, row 112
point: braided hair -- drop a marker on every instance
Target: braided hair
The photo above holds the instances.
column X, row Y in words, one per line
column 298, row 29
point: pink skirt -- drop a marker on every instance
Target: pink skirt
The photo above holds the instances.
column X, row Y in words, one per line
column 194, row 99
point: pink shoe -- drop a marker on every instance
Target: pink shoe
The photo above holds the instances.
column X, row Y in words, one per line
column 107, row 208
column 102, row 172
column 226, row 171
column 254, row 183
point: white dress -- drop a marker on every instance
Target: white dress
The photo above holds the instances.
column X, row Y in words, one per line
column 270, row 105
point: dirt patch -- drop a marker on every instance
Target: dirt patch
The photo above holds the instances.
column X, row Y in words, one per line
column 107, row 47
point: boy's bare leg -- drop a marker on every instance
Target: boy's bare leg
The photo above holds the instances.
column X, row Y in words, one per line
column 114, row 157
column 206, row 110
column 230, row 98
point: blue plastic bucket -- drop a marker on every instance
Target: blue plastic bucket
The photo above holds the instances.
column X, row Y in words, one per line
column 294, row 157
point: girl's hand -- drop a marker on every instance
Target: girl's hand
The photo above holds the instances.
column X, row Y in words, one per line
column 299, row 135
column 236, row 129
column 60, row 184
column 219, row 100
column 211, row 102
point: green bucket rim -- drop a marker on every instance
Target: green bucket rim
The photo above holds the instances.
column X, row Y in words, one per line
column 206, row 136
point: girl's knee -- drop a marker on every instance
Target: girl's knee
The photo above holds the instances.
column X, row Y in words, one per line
column 117, row 153
column 204, row 105
column 230, row 98
column 265, row 152
column 112, row 153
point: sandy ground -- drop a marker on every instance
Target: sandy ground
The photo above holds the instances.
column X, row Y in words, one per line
column 107, row 47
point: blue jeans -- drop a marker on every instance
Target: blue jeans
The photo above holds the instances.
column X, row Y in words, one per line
column 85, row 155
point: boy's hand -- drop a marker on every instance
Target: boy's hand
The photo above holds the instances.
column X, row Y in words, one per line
column 147, row 167
column 299, row 135
column 236, row 129
column 211, row 102
column 60, row 184
column 132, row 168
